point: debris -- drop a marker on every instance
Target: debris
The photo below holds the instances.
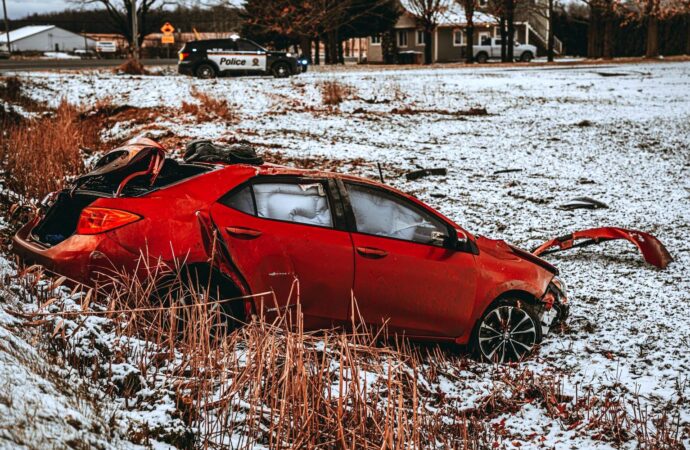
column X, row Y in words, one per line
column 585, row 123
column 652, row 249
column 417, row 174
column 583, row 203
column 496, row 172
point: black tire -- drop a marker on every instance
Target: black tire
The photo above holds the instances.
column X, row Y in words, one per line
column 482, row 57
column 281, row 70
column 205, row 71
column 508, row 331
column 526, row 57
column 191, row 286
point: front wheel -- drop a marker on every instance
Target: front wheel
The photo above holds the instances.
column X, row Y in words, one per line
column 482, row 58
column 281, row 70
column 508, row 331
column 526, row 57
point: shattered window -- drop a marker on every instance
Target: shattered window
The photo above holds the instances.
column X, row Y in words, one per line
column 301, row 203
column 386, row 215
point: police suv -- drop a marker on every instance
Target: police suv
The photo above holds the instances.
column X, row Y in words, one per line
column 213, row 57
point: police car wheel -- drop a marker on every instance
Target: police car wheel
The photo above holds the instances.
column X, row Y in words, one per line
column 281, row 70
column 205, row 71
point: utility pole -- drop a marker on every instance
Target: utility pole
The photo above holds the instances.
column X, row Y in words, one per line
column 550, row 40
column 7, row 27
column 135, row 32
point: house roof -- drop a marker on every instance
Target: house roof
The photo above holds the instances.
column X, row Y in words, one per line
column 24, row 32
column 451, row 15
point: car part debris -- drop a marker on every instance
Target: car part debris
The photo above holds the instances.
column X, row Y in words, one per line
column 652, row 249
column 497, row 172
column 583, row 203
column 417, row 174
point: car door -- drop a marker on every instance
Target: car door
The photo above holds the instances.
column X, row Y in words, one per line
column 254, row 55
column 225, row 54
column 403, row 272
column 287, row 235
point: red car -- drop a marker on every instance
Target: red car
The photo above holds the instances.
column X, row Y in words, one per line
column 340, row 236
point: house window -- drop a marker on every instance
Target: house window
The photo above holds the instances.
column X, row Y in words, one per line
column 484, row 38
column 483, row 3
column 375, row 39
column 421, row 38
column 402, row 38
column 459, row 38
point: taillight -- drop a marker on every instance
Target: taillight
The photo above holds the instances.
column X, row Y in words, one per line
column 94, row 220
column 183, row 56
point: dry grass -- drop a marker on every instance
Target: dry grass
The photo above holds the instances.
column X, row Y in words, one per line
column 131, row 67
column 38, row 154
column 334, row 92
column 270, row 383
column 209, row 108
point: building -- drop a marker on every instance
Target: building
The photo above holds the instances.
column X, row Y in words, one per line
column 45, row 38
column 450, row 39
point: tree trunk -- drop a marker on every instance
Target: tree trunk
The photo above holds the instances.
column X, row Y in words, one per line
column 504, row 35
column 305, row 48
column 341, row 56
column 317, row 51
column 550, row 41
column 652, row 36
column 388, row 47
column 510, row 18
column 428, row 47
column 608, row 38
column 594, row 33
column 469, row 35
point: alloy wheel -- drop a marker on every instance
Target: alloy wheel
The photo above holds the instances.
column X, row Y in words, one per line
column 507, row 334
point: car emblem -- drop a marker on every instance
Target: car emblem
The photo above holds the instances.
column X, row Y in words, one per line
column 255, row 62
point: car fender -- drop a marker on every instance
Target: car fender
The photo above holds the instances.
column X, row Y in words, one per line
column 206, row 61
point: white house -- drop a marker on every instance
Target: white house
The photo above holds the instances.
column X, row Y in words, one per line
column 44, row 38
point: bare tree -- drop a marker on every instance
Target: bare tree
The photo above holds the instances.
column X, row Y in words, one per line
column 120, row 13
column 428, row 14
column 470, row 6
column 600, row 33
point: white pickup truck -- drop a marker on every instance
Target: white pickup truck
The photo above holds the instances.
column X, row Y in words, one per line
column 490, row 48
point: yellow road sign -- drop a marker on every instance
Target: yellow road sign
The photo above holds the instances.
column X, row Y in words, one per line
column 167, row 28
column 168, row 39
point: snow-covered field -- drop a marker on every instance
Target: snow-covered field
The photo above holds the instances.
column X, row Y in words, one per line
column 619, row 134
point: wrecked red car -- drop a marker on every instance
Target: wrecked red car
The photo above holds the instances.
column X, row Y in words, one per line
column 336, row 237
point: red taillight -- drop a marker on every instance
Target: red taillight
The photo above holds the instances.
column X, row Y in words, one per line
column 94, row 220
column 183, row 56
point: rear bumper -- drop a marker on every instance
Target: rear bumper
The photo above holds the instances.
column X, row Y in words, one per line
column 80, row 258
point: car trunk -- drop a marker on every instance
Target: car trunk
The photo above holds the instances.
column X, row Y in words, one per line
column 124, row 172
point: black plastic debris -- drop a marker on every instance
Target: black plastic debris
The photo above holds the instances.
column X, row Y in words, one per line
column 203, row 150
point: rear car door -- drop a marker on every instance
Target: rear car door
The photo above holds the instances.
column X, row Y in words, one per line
column 225, row 55
column 403, row 272
column 287, row 235
column 254, row 55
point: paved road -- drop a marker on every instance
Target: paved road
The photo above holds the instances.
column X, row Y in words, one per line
column 52, row 64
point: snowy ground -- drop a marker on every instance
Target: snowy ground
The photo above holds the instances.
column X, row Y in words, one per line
column 619, row 134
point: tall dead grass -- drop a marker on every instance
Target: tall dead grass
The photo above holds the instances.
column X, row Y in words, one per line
column 38, row 154
column 270, row 383
column 210, row 108
column 334, row 92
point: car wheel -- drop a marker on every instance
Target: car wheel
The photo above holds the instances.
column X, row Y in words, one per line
column 193, row 286
column 482, row 58
column 526, row 57
column 281, row 70
column 205, row 71
column 507, row 332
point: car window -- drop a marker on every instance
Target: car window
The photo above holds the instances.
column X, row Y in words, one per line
column 293, row 202
column 245, row 46
column 383, row 214
column 230, row 46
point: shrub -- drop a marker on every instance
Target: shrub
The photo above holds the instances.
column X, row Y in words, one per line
column 132, row 67
column 209, row 108
column 334, row 92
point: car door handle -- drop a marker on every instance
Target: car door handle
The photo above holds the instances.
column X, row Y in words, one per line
column 244, row 233
column 370, row 252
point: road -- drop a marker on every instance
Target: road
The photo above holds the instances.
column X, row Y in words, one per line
column 28, row 65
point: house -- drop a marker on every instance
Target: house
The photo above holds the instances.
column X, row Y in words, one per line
column 44, row 38
column 449, row 39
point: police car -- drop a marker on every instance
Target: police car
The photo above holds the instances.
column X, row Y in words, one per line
column 214, row 57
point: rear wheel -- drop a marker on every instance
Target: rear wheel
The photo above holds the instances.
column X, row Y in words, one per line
column 205, row 71
column 508, row 332
column 482, row 57
column 526, row 57
column 281, row 70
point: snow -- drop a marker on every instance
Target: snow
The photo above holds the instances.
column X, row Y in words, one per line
column 59, row 55
column 616, row 133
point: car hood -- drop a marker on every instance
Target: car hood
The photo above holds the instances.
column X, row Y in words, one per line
column 502, row 250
